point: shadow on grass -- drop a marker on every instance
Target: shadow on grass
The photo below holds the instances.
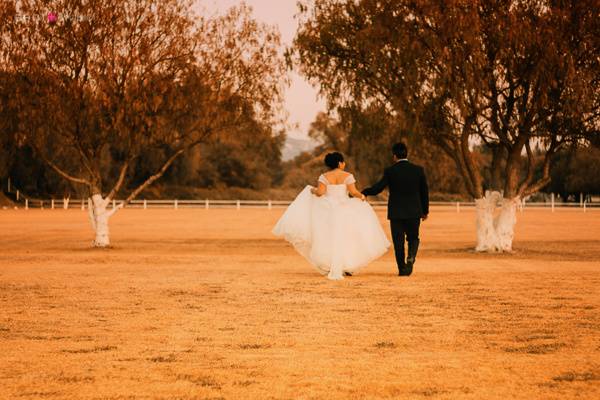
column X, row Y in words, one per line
column 98, row 349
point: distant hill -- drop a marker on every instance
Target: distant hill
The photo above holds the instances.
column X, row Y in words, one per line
column 293, row 147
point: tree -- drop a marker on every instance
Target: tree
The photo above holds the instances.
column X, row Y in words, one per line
column 574, row 171
column 243, row 158
column 110, row 81
column 8, row 142
column 328, row 131
column 583, row 172
column 516, row 78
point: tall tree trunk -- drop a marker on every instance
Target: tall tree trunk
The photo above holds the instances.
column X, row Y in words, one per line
column 496, row 167
column 495, row 227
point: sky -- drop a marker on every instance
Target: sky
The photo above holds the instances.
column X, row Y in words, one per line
column 301, row 100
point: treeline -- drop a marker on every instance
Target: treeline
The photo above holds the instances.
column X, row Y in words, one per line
column 247, row 164
column 119, row 103
column 233, row 164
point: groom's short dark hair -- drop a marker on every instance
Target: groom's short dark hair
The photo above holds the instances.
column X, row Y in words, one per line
column 400, row 150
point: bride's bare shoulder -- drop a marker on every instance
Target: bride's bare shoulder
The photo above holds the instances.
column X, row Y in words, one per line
column 329, row 175
column 323, row 179
column 336, row 177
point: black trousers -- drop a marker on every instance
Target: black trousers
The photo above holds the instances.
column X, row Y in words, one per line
column 403, row 229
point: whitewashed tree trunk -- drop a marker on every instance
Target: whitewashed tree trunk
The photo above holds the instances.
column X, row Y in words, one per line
column 486, row 231
column 99, row 217
column 505, row 224
column 495, row 231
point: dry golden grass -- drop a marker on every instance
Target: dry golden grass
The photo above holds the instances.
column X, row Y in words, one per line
column 196, row 304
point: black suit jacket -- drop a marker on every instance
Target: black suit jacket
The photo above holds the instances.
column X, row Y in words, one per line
column 409, row 195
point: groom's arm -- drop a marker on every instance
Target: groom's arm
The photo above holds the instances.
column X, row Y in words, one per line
column 378, row 187
column 424, row 189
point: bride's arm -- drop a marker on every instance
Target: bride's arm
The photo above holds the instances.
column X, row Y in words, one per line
column 354, row 192
column 319, row 190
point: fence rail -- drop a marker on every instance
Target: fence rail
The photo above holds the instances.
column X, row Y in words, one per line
column 27, row 203
column 176, row 204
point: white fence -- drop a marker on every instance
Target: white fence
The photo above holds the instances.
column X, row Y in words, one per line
column 271, row 204
column 27, row 203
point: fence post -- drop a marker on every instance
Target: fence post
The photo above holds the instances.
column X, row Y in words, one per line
column 458, row 206
column 206, row 204
column 145, row 204
column 9, row 184
column 82, row 205
column 175, row 204
column 114, row 204
column 27, row 204
column 17, row 194
column 584, row 206
column 52, row 204
column 237, row 205
column 581, row 201
column 270, row 206
column 552, row 200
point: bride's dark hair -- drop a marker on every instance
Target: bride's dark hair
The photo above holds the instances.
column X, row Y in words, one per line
column 333, row 160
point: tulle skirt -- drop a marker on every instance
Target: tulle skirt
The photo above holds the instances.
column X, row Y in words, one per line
column 334, row 235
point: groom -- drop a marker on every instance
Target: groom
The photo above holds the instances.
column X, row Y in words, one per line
column 408, row 204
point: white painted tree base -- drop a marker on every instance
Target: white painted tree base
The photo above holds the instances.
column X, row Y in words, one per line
column 99, row 217
column 495, row 230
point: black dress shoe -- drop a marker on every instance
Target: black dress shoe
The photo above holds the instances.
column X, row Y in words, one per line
column 346, row 273
column 409, row 266
column 413, row 248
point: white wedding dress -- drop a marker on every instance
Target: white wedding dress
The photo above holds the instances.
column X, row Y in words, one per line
column 335, row 233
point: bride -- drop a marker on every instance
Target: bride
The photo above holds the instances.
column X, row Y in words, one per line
column 335, row 233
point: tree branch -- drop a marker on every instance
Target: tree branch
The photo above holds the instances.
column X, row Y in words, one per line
column 512, row 165
column 539, row 185
column 152, row 178
column 467, row 162
column 498, row 153
column 545, row 179
column 60, row 171
column 530, row 170
column 120, row 181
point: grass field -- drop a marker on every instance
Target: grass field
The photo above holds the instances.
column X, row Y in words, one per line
column 206, row 304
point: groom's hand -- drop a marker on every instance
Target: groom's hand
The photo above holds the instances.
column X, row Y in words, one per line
column 424, row 217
